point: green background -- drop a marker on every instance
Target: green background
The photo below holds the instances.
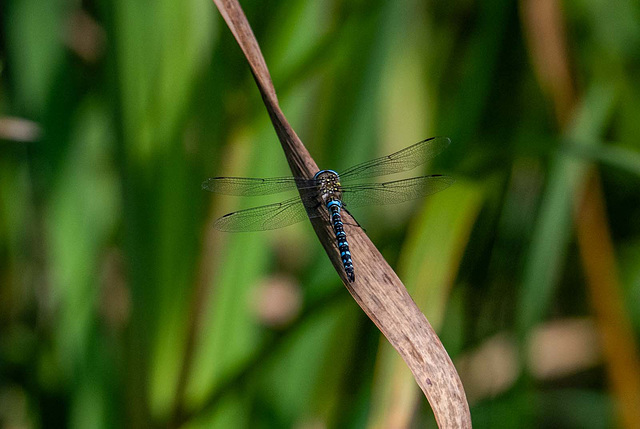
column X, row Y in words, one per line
column 121, row 306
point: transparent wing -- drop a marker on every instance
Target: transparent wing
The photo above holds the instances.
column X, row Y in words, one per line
column 403, row 160
column 394, row 192
column 248, row 186
column 262, row 218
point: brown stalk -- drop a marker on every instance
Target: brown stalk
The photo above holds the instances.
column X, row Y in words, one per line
column 615, row 330
column 547, row 39
column 377, row 288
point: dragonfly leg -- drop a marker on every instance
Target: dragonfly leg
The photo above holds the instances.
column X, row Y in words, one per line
column 354, row 219
column 313, row 210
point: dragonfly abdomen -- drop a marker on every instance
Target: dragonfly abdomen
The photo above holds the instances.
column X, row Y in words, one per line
column 338, row 228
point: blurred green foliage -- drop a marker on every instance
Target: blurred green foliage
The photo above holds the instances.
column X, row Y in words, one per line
column 121, row 306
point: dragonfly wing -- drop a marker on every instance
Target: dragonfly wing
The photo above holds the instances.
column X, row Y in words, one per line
column 262, row 218
column 394, row 192
column 248, row 186
column 403, row 160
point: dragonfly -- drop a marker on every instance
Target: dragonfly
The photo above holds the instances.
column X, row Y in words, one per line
column 335, row 191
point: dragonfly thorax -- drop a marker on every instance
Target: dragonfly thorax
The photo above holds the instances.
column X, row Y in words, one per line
column 328, row 182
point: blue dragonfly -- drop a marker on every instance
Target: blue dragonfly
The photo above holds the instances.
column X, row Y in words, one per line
column 334, row 191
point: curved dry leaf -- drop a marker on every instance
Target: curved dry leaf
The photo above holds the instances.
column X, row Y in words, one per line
column 377, row 289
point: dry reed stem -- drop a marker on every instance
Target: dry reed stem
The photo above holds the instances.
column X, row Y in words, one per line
column 547, row 39
column 615, row 329
column 377, row 288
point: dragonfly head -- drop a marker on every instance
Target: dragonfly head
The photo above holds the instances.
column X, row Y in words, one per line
column 326, row 174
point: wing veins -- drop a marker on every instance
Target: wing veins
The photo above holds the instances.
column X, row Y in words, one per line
column 253, row 186
column 270, row 216
column 394, row 192
column 402, row 160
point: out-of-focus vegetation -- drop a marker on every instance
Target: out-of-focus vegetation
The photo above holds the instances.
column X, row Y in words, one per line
column 121, row 306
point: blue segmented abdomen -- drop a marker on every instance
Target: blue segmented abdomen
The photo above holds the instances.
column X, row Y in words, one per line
column 341, row 236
